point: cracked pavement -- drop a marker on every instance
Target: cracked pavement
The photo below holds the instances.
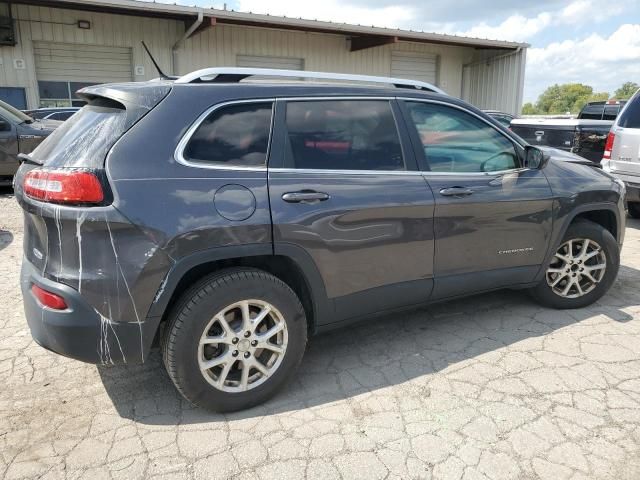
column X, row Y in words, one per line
column 490, row 387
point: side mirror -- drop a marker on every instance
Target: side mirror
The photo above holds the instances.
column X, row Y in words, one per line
column 4, row 125
column 534, row 158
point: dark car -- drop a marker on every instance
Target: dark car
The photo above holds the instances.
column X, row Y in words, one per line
column 502, row 117
column 19, row 133
column 227, row 221
column 53, row 113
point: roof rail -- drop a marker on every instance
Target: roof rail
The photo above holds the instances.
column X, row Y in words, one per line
column 235, row 74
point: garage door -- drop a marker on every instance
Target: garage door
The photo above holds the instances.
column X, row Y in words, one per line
column 82, row 63
column 415, row 66
column 285, row 63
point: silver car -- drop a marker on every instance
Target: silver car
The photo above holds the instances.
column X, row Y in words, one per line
column 622, row 152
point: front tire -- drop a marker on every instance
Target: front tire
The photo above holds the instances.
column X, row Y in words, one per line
column 234, row 339
column 634, row 209
column 582, row 270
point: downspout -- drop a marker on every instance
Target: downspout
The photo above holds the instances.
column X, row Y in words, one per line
column 174, row 50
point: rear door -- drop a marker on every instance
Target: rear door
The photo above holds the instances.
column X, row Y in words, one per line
column 345, row 190
column 492, row 217
column 8, row 147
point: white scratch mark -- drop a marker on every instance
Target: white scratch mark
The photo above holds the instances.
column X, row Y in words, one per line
column 126, row 284
column 59, row 227
column 163, row 285
column 79, row 221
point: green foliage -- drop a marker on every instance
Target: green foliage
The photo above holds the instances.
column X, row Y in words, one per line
column 529, row 109
column 569, row 97
column 626, row 90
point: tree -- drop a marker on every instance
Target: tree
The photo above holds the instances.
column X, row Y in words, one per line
column 569, row 97
column 529, row 109
column 626, row 90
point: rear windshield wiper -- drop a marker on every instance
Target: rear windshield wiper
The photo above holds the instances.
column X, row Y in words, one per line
column 26, row 158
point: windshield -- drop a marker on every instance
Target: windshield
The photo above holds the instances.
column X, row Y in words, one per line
column 13, row 114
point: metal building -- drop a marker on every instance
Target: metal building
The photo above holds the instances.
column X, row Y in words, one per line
column 50, row 48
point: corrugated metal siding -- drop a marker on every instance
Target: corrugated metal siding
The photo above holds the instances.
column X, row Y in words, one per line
column 45, row 24
column 258, row 61
column 415, row 65
column 87, row 63
column 495, row 81
column 218, row 46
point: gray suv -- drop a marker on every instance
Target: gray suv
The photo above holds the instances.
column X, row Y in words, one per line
column 227, row 221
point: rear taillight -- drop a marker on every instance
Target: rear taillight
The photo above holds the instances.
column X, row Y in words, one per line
column 48, row 299
column 61, row 186
column 608, row 146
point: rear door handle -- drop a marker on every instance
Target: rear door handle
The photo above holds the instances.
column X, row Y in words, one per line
column 305, row 196
column 456, row 192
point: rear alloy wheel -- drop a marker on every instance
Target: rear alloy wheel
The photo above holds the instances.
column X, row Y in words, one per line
column 582, row 269
column 634, row 209
column 234, row 339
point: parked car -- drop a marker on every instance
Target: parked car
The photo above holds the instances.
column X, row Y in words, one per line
column 504, row 118
column 608, row 110
column 52, row 113
column 585, row 138
column 622, row 152
column 19, row 133
column 228, row 221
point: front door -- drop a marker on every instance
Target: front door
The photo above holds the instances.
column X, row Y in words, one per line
column 492, row 217
column 347, row 193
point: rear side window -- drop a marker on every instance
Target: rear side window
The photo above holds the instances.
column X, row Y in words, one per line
column 630, row 116
column 592, row 112
column 85, row 139
column 342, row 135
column 611, row 112
column 232, row 135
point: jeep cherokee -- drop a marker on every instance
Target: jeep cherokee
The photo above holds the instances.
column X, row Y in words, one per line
column 229, row 220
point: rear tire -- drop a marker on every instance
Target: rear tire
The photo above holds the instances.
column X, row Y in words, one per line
column 575, row 278
column 634, row 209
column 228, row 320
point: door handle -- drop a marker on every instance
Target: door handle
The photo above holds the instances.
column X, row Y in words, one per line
column 456, row 192
column 305, row 196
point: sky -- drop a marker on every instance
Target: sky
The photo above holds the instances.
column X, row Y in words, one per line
column 594, row 42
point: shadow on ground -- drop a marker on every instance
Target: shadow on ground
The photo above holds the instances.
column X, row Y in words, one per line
column 374, row 355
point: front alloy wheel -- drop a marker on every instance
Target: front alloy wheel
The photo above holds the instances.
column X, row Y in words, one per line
column 577, row 268
column 242, row 346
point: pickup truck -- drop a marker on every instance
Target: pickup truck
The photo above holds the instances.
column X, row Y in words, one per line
column 19, row 133
column 585, row 138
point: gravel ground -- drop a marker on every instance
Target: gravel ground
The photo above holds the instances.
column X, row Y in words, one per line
column 492, row 387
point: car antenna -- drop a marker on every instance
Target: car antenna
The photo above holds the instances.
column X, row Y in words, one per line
column 155, row 64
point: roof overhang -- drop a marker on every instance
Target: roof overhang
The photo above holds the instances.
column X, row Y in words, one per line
column 362, row 36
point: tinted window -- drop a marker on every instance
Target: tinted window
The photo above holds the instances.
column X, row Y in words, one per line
column 611, row 112
column 630, row 116
column 235, row 135
column 342, row 135
column 456, row 141
column 592, row 112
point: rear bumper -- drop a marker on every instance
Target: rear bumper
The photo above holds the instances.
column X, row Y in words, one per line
column 633, row 191
column 79, row 332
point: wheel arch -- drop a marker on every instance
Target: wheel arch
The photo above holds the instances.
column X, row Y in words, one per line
column 291, row 264
column 605, row 214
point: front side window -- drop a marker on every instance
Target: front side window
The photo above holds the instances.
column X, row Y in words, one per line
column 456, row 141
column 342, row 135
column 233, row 135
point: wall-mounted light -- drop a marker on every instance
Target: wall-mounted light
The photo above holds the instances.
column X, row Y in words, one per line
column 84, row 24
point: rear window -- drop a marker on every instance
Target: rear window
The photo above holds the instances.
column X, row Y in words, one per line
column 630, row 116
column 235, row 135
column 592, row 112
column 611, row 112
column 85, row 139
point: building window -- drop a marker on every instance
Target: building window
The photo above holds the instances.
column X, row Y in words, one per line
column 61, row 94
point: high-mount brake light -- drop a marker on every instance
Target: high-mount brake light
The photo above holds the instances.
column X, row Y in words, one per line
column 63, row 186
column 608, row 146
